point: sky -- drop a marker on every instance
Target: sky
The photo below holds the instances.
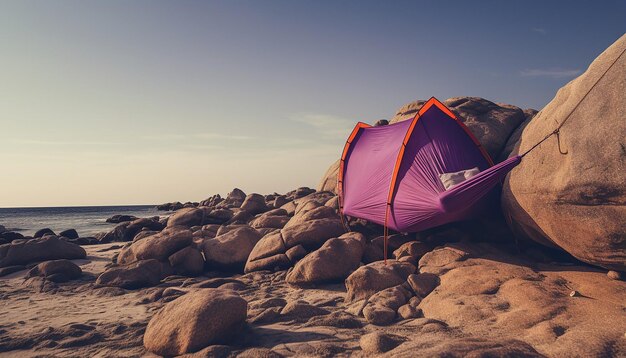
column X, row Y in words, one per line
column 144, row 102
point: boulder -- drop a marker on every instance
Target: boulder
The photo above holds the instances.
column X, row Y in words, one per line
column 379, row 342
column 43, row 232
column 230, row 251
column 56, row 271
column 158, row 246
column 332, row 262
column 423, row 284
column 188, row 261
column 575, row 201
column 187, row 217
column 127, row 230
column 254, row 204
column 312, row 234
column 329, row 180
column 381, row 307
column 234, row 199
column 46, row 248
column 70, row 234
column 296, row 253
column 116, row 219
column 412, row 251
column 144, row 273
column 377, row 276
column 318, row 212
column 10, row 236
column 194, row 321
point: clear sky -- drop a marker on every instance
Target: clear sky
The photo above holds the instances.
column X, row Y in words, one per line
column 142, row 102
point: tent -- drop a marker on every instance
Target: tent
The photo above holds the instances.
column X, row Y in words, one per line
column 391, row 175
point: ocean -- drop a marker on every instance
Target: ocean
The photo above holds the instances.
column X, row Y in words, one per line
column 87, row 220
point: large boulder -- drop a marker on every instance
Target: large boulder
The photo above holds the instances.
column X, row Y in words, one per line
column 45, row 248
column 230, row 250
column 188, row 261
column 56, row 271
column 144, row 273
column 377, row 276
column 576, row 201
column 254, row 204
column 332, row 262
column 187, row 217
column 194, row 321
column 158, row 246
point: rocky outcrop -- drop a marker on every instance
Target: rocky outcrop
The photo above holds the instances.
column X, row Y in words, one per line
column 194, row 321
column 45, row 248
column 577, row 200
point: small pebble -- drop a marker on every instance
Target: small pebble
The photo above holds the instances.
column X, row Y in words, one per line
column 573, row 294
column 614, row 275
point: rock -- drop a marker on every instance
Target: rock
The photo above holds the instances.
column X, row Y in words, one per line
column 242, row 217
column 296, row 253
column 440, row 259
column 144, row 273
column 116, row 219
column 377, row 276
column 126, row 231
column 423, row 284
column 45, row 248
column 254, row 204
column 412, row 251
column 614, row 275
column 409, row 311
column 312, row 234
column 70, row 234
column 280, row 201
column 381, row 122
column 379, row 342
column 11, row 269
column 379, row 315
column 158, row 246
column 187, row 217
column 187, row 261
column 194, row 321
column 9, row 236
column 218, row 216
column 576, row 200
column 230, row 251
column 274, row 262
column 271, row 221
column 329, row 180
column 56, row 271
column 234, row 199
column 3, row 229
column 332, row 262
column 43, row 232
column 302, row 311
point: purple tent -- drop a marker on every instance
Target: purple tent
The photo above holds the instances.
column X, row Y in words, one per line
column 390, row 175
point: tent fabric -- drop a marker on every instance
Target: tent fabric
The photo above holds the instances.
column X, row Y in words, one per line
column 390, row 175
